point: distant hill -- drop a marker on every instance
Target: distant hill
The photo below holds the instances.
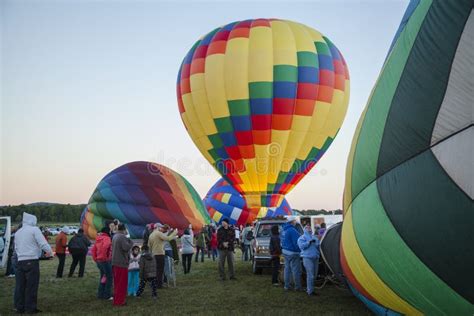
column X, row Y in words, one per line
column 41, row 204
column 48, row 203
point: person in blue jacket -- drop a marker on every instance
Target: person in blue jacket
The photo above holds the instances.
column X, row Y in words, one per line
column 291, row 253
column 309, row 245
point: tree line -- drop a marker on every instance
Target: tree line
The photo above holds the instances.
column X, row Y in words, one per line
column 68, row 213
column 45, row 212
column 319, row 212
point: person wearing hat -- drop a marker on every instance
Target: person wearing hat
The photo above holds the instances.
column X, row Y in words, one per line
column 225, row 244
column 309, row 245
column 156, row 243
column 291, row 253
column 61, row 245
column 121, row 246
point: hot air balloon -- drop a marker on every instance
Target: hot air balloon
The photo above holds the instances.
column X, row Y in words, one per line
column 139, row 193
column 263, row 100
column 407, row 235
column 223, row 201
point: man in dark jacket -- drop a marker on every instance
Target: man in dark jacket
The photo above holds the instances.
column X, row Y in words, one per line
column 121, row 246
column 291, row 252
column 225, row 244
column 146, row 235
column 78, row 248
column 275, row 252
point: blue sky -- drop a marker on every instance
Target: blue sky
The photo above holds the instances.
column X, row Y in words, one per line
column 89, row 85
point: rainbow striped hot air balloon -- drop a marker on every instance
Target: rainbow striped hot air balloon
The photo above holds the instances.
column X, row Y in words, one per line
column 407, row 237
column 223, row 201
column 263, row 99
column 139, row 193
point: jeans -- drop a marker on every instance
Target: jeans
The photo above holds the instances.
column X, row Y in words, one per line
column 223, row 255
column 199, row 249
column 275, row 269
column 132, row 287
column 62, row 260
column 187, row 258
column 10, row 266
column 214, row 254
column 105, row 289
column 292, row 267
column 245, row 252
column 26, row 288
column 160, row 268
column 78, row 256
column 143, row 282
column 311, row 266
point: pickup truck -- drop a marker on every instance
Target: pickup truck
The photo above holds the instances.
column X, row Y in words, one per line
column 260, row 244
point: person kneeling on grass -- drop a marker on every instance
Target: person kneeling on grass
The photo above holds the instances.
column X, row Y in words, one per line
column 133, row 269
column 309, row 245
column 147, row 273
column 121, row 246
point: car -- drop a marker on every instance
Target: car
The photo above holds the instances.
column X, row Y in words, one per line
column 73, row 230
column 53, row 231
column 261, row 242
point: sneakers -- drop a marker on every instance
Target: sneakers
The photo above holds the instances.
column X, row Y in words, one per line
column 111, row 298
column 276, row 284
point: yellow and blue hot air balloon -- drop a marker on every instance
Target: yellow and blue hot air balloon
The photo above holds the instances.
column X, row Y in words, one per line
column 263, row 99
column 223, row 201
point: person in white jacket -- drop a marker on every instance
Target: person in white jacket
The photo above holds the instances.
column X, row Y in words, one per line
column 29, row 244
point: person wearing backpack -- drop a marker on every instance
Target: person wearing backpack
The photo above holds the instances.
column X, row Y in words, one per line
column 78, row 247
column 247, row 236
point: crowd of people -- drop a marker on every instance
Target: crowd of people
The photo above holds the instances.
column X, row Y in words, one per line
column 125, row 268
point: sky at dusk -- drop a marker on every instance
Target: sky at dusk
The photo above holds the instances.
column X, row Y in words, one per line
column 87, row 86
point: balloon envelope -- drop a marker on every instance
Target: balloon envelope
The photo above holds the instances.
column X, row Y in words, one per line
column 263, row 99
column 407, row 234
column 223, row 201
column 139, row 193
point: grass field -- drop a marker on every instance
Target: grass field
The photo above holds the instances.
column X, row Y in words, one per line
column 200, row 292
